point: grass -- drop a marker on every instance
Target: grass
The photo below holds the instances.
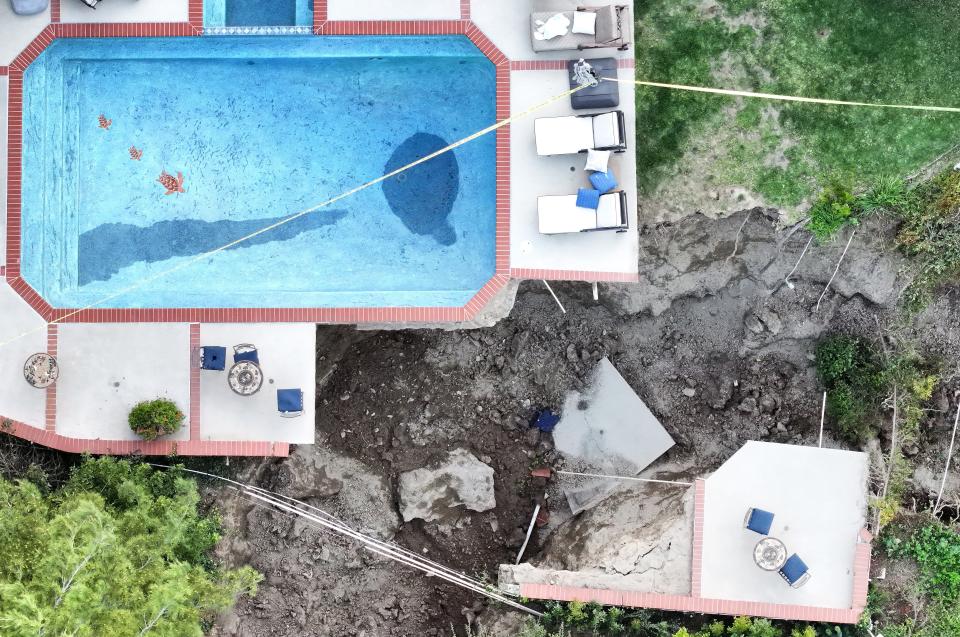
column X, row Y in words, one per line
column 893, row 51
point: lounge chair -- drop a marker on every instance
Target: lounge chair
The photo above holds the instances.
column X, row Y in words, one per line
column 559, row 214
column 290, row 402
column 758, row 521
column 795, row 571
column 245, row 352
column 613, row 29
column 91, row 3
column 579, row 133
column 213, row 357
column 29, row 7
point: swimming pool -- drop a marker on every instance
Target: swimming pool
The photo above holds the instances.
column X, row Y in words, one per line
column 258, row 128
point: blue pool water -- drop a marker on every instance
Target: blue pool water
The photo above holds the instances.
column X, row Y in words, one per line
column 257, row 13
column 260, row 128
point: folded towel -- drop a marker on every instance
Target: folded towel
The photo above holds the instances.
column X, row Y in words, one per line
column 554, row 26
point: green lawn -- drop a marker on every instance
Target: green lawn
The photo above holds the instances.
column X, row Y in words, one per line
column 897, row 51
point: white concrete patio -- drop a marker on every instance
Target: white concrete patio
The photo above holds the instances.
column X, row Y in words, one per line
column 108, row 368
column 17, row 31
column 18, row 400
column 125, row 11
column 287, row 357
column 819, row 500
column 393, row 10
column 532, row 176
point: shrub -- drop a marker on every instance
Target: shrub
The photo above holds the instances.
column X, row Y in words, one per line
column 835, row 207
column 154, row 418
column 853, row 378
column 936, row 549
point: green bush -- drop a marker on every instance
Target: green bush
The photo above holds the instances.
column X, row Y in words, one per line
column 154, row 418
column 853, row 377
column 835, row 207
column 936, row 549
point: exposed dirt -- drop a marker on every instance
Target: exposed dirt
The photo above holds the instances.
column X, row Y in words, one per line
column 712, row 339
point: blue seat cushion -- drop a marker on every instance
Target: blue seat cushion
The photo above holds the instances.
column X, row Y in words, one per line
column 29, row 7
column 252, row 356
column 588, row 198
column 289, row 400
column 603, row 182
column 213, row 357
column 546, row 420
column 760, row 521
column 793, row 569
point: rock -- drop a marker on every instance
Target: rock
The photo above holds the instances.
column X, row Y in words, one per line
column 771, row 320
column 304, row 479
column 768, row 404
column 572, row 355
column 689, row 392
column 441, row 493
column 748, row 405
column 752, row 323
column 532, row 436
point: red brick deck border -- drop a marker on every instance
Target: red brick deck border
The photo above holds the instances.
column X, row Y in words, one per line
column 694, row 603
column 50, row 415
column 194, row 381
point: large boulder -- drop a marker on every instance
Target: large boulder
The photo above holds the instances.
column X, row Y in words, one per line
column 441, row 493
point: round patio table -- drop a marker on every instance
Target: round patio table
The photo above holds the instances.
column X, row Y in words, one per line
column 245, row 378
column 770, row 554
column 41, row 370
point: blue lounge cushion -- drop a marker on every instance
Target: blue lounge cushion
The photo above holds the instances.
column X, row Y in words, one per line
column 213, row 357
column 588, row 198
column 289, row 400
column 250, row 355
column 760, row 521
column 793, row 569
column 29, row 7
column 546, row 420
column 603, row 182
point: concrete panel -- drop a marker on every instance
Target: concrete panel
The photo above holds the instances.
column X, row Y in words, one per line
column 393, row 10
column 17, row 31
column 819, row 500
column 126, row 11
column 106, row 369
column 532, row 176
column 287, row 358
column 22, row 333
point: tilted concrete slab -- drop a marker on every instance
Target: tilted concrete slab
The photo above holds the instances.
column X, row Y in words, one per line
column 287, row 357
column 106, row 369
column 819, row 499
column 607, row 429
column 126, row 11
column 22, row 333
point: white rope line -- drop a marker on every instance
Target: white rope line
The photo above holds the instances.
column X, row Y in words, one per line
column 348, row 193
column 782, row 98
column 600, row 475
column 374, row 545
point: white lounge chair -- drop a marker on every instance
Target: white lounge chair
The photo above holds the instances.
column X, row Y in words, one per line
column 559, row 214
column 579, row 133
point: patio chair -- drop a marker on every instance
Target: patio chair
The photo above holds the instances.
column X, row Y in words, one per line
column 560, row 214
column 611, row 26
column 795, row 571
column 579, row 133
column 29, row 7
column 213, row 357
column 91, row 3
column 290, row 402
column 758, row 521
column 245, row 352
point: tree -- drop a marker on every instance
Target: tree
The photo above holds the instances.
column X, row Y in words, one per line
column 119, row 550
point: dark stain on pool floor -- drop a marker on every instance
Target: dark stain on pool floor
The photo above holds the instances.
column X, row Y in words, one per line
column 423, row 196
column 106, row 249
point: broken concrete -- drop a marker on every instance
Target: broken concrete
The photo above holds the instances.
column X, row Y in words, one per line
column 439, row 494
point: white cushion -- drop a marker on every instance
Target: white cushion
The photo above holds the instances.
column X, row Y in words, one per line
column 597, row 160
column 559, row 214
column 606, row 132
column 608, row 212
column 555, row 26
column 563, row 135
column 585, row 22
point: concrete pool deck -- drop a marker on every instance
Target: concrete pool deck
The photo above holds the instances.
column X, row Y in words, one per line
column 83, row 411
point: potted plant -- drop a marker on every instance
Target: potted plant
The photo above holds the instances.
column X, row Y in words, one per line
column 154, row 418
